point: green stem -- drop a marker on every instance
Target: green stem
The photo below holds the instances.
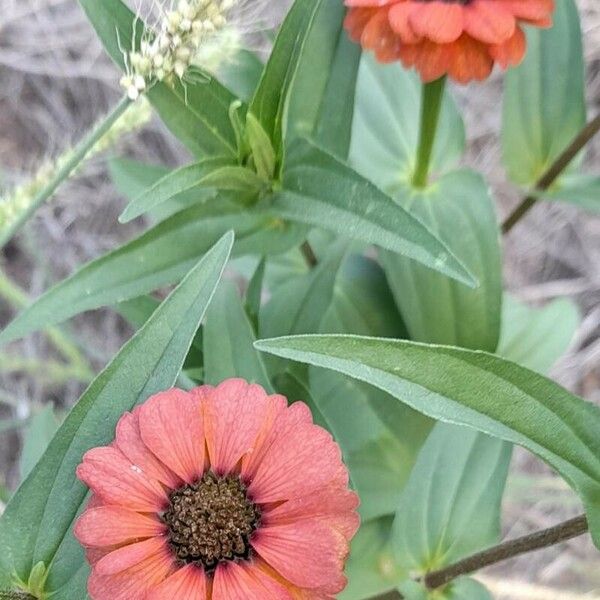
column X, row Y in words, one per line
column 431, row 104
column 64, row 172
column 17, row 298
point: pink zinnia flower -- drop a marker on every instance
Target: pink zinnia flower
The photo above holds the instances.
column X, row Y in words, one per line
column 220, row 493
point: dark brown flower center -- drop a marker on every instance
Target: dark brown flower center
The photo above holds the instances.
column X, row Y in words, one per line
column 211, row 521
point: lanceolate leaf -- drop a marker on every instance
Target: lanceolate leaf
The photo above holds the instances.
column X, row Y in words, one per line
column 218, row 173
column 450, row 506
column 458, row 208
column 228, row 341
column 37, row 523
column 321, row 191
column 477, row 389
column 301, row 78
column 544, row 102
column 197, row 114
column 161, row 256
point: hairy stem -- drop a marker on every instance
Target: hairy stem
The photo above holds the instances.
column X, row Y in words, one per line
column 64, row 172
column 553, row 173
column 510, row 549
column 431, row 104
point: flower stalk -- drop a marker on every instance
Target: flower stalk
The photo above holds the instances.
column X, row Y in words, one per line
column 431, row 104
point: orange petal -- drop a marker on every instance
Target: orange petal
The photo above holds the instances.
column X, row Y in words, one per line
column 430, row 59
column 309, row 554
column 188, row 583
column 235, row 581
column 171, row 426
column 356, row 20
column 129, row 442
column 379, row 37
column 489, row 22
column 469, row 60
column 439, row 21
column 118, row 482
column 512, row 52
column 537, row 12
column 399, row 22
column 113, row 526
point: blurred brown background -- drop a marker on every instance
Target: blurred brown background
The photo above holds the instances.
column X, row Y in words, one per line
column 55, row 81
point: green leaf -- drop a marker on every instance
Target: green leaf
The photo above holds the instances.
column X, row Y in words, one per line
column 297, row 88
column 450, row 507
column 385, row 134
column 476, row 389
column 321, row 191
column 371, row 569
column 254, row 292
column 161, row 256
column 42, row 427
column 380, row 438
column 197, row 114
column 190, row 182
column 459, row 210
column 544, row 98
column 240, row 73
column 464, row 588
column 132, row 178
column 36, row 525
column 228, row 342
column 300, row 305
column 263, row 153
column 537, row 337
column 580, row 190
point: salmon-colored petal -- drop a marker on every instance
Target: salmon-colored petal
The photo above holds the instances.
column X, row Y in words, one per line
column 469, row 60
column 113, row 526
column 489, row 22
column 309, row 554
column 439, row 21
column 372, row 3
column 301, row 458
column 379, row 37
column 131, row 555
column 399, row 22
column 512, row 52
column 532, row 11
column 117, row 481
column 129, row 441
column 356, row 20
column 171, row 426
column 244, row 581
column 233, row 412
column 133, row 583
column 430, row 59
column 264, row 438
column 335, row 505
column 187, row 583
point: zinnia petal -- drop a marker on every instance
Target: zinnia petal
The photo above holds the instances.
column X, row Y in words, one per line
column 489, row 23
column 234, row 412
column 131, row 555
column 171, row 426
column 309, row 554
column 246, row 582
column 113, row 526
column 117, row 481
column 188, row 583
column 439, row 21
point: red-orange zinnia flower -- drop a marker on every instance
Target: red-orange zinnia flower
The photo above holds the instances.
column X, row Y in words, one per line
column 459, row 38
column 220, row 493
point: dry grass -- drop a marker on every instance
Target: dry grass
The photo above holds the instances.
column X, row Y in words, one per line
column 55, row 81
